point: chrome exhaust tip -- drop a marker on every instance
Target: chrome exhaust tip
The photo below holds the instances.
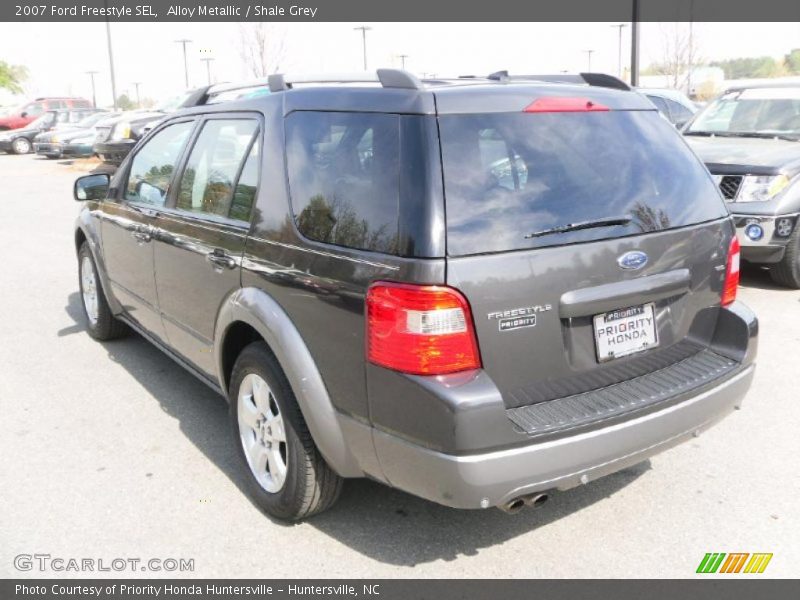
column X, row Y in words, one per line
column 513, row 506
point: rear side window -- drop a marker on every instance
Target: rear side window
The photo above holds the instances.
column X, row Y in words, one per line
column 207, row 183
column 344, row 177
column 508, row 176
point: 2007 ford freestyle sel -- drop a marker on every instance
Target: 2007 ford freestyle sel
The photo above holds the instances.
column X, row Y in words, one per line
column 475, row 290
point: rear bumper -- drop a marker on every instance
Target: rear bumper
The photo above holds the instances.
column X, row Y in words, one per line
column 492, row 478
column 77, row 150
column 475, row 477
column 116, row 151
column 47, row 148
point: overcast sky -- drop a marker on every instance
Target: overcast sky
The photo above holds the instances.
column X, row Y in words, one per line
column 58, row 54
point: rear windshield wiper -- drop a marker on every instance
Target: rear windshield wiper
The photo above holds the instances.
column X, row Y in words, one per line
column 609, row 222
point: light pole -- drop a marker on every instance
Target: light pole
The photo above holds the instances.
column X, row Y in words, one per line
column 91, row 74
column 621, row 26
column 403, row 58
column 136, row 85
column 364, row 29
column 185, row 63
column 589, row 55
column 635, row 44
column 208, row 60
column 111, row 59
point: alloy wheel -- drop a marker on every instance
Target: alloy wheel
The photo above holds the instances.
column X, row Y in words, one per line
column 89, row 289
column 262, row 433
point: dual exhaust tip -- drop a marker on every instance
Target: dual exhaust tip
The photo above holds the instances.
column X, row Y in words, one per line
column 515, row 505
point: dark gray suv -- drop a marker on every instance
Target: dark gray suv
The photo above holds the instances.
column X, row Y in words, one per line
column 476, row 291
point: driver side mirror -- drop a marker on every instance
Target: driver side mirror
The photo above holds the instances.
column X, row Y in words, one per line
column 91, row 187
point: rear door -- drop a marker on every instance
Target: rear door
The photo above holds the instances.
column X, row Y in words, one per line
column 591, row 244
column 201, row 235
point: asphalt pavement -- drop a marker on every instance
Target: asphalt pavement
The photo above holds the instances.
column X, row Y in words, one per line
column 112, row 451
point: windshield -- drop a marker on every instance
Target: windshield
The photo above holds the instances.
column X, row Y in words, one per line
column 174, row 103
column 46, row 120
column 511, row 177
column 91, row 120
column 759, row 111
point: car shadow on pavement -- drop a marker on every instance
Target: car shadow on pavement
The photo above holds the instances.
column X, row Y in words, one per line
column 757, row 277
column 379, row 522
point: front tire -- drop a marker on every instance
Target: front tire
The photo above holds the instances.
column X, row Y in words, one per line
column 101, row 323
column 787, row 272
column 286, row 475
column 21, row 145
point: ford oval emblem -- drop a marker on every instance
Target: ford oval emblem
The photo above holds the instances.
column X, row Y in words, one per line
column 632, row 260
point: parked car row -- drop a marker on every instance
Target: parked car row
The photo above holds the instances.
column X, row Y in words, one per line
column 24, row 114
column 21, row 140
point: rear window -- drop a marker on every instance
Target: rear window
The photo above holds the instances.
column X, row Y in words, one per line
column 511, row 175
column 344, row 177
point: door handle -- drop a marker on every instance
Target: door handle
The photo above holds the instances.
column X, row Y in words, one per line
column 219, row 258
column 142, row 233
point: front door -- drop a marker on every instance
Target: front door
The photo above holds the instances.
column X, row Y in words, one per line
column 202, row 234
column 130, row 219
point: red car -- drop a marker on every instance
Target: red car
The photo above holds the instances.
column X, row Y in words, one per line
column 26, row 113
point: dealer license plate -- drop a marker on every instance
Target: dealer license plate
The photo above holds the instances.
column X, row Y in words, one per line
column 625, row 331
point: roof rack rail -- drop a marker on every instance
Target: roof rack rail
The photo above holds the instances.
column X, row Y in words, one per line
column 388, row 78
column 593, row 79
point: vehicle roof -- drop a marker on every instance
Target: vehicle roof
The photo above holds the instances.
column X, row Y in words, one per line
column 758, row 86
column 435, row 96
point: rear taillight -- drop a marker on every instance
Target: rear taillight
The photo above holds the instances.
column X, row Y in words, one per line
column 425, row 330
column 731, row 273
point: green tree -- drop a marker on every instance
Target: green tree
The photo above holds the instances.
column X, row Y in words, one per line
column 744, row 68
column 12, row 76
column 792, row 61
column 125, row 103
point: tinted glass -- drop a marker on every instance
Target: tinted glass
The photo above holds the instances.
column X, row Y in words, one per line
column 344, row 177
column 510, row 175
column 660, row 104
column 208, row 179
column 245, row 194
column 153, row 165
column 679, row 112
column 767, row 111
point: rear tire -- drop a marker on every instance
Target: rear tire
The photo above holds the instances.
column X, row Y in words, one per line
column 787, row 272
column 286, row 474
column 101, row 323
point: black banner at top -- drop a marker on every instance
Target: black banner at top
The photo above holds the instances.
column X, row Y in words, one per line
column 393, row 10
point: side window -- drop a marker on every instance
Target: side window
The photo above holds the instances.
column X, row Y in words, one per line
column 245, row 193
column 660, row 103
column 34, row 109
column 679, row 112
column 344, row 177
column 152, row 167
column 207, row 183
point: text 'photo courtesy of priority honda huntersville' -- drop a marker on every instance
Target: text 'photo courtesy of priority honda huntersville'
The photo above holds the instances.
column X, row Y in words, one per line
column 475, row 290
